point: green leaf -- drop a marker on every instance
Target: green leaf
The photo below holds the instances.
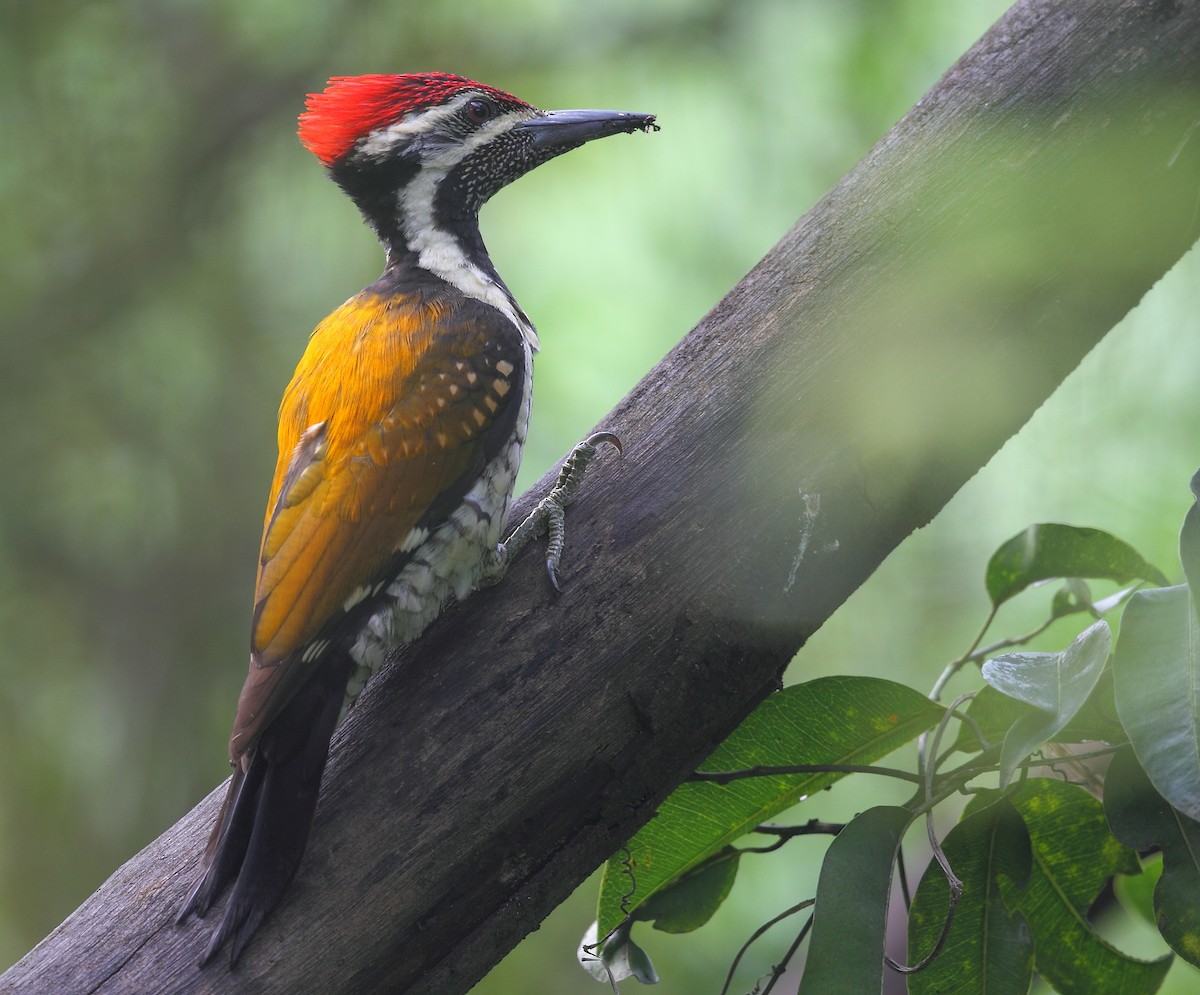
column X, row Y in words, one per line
column 616, row 959
column 1097, row 719
column 987, row 949
column 1074, row 855
column 1189, row 543
column 831, row 720
column 1056, row 684
column 845, row 954
column 1070, row 599
column 1141, row 818
column 1042, row 552
column 1156, row 671
column 993, row 713
column 1135, row 892
column 690, row 901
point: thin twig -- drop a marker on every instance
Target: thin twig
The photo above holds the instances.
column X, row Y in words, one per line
column 974, row 726
column 778, row 970
column 902, row 874
column 975, row 653
column 957, row 780
column 764, row 770
column 952, row 880
column 759, row 932
column 954, row 666
column 926, row 770
column 814, row 827
column 627, row 867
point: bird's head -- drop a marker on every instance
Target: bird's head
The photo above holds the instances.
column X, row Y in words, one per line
column 421, row 153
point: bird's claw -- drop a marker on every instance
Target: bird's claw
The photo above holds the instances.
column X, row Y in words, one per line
column 549, row 515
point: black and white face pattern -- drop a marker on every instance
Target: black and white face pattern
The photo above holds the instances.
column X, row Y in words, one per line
column 472, row 138
column 422, row 180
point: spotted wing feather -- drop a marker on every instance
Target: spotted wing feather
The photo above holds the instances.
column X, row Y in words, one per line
column 366, row 468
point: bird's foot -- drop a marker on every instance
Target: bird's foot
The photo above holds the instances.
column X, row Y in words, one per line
column 549, row 515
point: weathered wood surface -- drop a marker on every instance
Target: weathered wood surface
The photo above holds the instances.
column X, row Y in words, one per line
column 828, row 406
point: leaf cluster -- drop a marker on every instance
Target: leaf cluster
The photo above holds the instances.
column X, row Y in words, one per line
column 1050, row 828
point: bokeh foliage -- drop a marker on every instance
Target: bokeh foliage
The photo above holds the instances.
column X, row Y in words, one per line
column 167, row 246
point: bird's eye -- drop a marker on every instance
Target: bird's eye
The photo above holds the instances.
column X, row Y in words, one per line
column 480, row 110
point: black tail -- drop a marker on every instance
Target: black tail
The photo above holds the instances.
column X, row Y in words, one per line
column 267, row 815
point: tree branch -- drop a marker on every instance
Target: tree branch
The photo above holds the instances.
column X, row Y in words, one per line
column 828, row 406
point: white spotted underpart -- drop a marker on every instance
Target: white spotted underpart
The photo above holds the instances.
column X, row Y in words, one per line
column 437, row 250
column 452, row 559
column 415, row 537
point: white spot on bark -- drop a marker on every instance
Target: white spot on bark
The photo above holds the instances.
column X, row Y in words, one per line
column 812, row 508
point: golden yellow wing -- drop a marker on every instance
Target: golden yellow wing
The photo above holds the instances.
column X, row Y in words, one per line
column 394, row 410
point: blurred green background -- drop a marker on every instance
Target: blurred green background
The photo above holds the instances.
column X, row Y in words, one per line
column 168, row 246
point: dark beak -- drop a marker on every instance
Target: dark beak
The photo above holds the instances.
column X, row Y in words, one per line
column 567, row 129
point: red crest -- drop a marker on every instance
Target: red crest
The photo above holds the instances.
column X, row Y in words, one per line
column 351, row 107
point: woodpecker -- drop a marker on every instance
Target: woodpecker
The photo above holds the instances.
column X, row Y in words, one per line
column 400, row 435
